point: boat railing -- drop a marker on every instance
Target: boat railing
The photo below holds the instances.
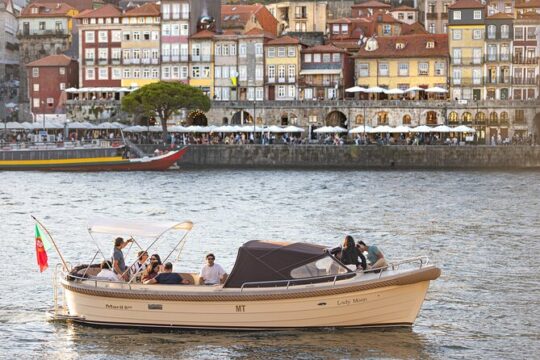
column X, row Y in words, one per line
column 421, row 261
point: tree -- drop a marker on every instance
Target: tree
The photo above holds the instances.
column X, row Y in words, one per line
column 163, row 99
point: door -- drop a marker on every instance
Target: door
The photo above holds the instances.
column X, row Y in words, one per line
column 476, row 94
column 271, row 92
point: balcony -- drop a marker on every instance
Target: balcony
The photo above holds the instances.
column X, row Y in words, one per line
column 127, row 62
column 431, row 16
column 524, row 81
column 466, row 61
column 517, row 59
column 116, row 61
column 42, row 33
column 89, row 61
column 471, row 82
column 103, row 61
column 145, row 61
column 175, row 15
column 444, row 16
column 135, row 61
column 165, row 58
column 271, row 80
column 175, row 58
column 154, row 61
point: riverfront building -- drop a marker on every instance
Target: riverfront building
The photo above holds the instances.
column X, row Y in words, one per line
column 9, row 44
column 282, row 68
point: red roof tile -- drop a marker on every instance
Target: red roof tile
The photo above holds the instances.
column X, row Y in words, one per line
column 323, row 48
column 77, row 4
column 467, row 4
column 415, row 46
column 414, row 28
column 404, row 8
column 148, row 9
column 527, row 4
column 284, row 40
column 52, row 60
column 46, row 10
column 203, row 34
column 371, row 4
column 106, row 11
column 500, row 16
column 238, row 16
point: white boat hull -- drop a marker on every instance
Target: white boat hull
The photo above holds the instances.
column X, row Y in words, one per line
column 380, row 306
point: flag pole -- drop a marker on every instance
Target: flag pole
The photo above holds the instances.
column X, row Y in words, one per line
column 53, row 242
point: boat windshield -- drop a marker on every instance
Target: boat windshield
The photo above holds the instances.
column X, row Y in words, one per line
column 327, row 266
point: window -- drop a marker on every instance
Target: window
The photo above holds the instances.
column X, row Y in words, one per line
column 505, row 32
column 35, row 72
column 336, row 57
column 225, row 50
column 259, row 50
column 36, row 87
column 456, row 77
column 387, row 29
column 307, row 58
column 326, row 58
column 90, row 74
column 116, row 36
column 259, row 95
column 406, row 119
column 292, row 91
column 116, row 74
column 344, row 28
column 291, row 51
column 242, row 72
column 423, row 68
column 218, row 50
column 233, row 49
column 35, row 102
column 271, row 52
column 62, row 70
column 477, row 15
column 477, row 76
column 383, row 69
column 184, row 72
column 281, row 73
column 431, row 28
column 456, row 56
column 127, row 73
column 431, row 8
column 196, row 72
column 291, row 72
column 363, row 70
column 175, row 73
column 477, row 34
column 456, row 15
column 281, row 91
column 217, row 72
column 281, row 52
column 518, row 33
column 271, row 72
column 403, row 69
column 103, row 54
column 242, row 50
column 259, row 71
column 531, row 33
column 167, row 72
column 457, row 34
column 103, row 74
column 225, row 72
column 491, row 31
column 103, row 36
column 184, row 30
column 89, row 36
column 316, row 58
column 439, row 69
column 335, row 29
column 175, row 31
column 42, row 25
column 477, row 55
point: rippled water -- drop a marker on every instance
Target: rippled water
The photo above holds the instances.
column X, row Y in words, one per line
column 481, row 228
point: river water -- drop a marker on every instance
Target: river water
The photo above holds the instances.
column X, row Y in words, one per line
column 481, row 228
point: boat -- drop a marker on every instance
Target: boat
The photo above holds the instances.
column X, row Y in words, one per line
column 70, row 160
column 273, row 285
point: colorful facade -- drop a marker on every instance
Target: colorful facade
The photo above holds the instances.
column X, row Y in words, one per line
column 282, row 68
column 498, row 60
column 300, row 16
column 201, row 65
column 175, row 31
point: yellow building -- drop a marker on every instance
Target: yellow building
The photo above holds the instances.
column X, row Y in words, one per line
column 282, row 61
column 201, row 64
column 140, row 45
column 466, row 27
column 403, row 62
column 300, row 16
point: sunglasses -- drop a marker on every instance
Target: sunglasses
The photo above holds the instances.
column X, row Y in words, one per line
column 210, row 258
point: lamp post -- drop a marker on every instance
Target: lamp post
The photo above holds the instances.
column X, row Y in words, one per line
column 254, row 113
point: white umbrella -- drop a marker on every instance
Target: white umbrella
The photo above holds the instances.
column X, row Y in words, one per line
column 442, row 128
column 293, row 129
column 274, row 129
column 118, row 125
column 375, row 90
column 14, row 125
column 355, row 89
column 422, row 129
column 394, row 91
column 72, row 90
column 401, row 129
column 414, row 88
column 381, row 129
column 225, row 129
column 339, row 129
column 463, row 128
column 324, row 130
column 177, row 128
column 436, row 89
column 105, row 125
column 10, row 105
column 360, row 129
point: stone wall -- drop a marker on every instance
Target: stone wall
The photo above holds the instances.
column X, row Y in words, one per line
column 362, row 157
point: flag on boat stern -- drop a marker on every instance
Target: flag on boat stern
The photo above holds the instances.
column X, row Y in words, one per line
column 42, row 245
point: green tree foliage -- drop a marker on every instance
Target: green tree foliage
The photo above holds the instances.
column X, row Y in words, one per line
column 163, row 99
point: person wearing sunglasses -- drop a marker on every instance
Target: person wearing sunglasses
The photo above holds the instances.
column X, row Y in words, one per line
column 212, row 273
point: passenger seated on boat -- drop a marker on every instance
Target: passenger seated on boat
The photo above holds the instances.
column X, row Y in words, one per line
column 136, row 270
column 212, row 273
column 167, row 277
column 350, row 254
column 106, row 272
column 375, row 256
column 153, row 268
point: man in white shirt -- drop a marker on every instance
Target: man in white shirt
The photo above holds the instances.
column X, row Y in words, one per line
column 106, row 273
column 212, row 273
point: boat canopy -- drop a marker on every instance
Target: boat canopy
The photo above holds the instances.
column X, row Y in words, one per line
column 135, row 227
column 263, row 261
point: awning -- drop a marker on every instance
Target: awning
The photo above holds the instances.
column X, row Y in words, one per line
column 135, row 227
column 321, row 72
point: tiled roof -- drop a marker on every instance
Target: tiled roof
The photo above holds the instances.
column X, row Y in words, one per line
column 500, row 16
column 52, row 60
column 77, row 4
column 238, row 16
column 323, row 48
column 259, row 32
column 46, row 10
column 527, row 4
column 415, row 46
column 371, row 4
column 383, row 18
column 284, row 40
column 414, row 28
column 148, row 9
column 467, row 4
column 106, row 11
column 203, row 34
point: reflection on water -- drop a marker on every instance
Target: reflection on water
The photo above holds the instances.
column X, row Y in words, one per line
column 481, row 228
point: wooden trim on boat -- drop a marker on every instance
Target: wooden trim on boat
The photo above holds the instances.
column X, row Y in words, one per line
column 413, row 277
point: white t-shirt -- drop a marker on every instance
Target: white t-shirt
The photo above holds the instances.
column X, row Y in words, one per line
column 108, row 274
column 212, row 274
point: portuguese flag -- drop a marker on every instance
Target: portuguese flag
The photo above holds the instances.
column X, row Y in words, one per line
column 42, row 245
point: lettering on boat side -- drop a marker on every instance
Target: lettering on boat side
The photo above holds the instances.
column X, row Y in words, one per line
column 240, row 308
column 351, row 301
column 155, row 307
column 118, row 307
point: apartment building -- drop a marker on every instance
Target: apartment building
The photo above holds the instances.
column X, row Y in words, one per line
column 9, row 44
column 282, row 68
column 175, row 32
column 300, row 16
column 201, row 62
column 498, row 58
column 433, row 14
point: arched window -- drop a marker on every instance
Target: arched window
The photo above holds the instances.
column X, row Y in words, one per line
column 504, row 118
column 225, row 121
column 406, row 119
column 480, row 118
column 431, row 118
column 359, row 119
column 466, row 117
column 382, row 118
column 453, row 117
column 493, row 118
